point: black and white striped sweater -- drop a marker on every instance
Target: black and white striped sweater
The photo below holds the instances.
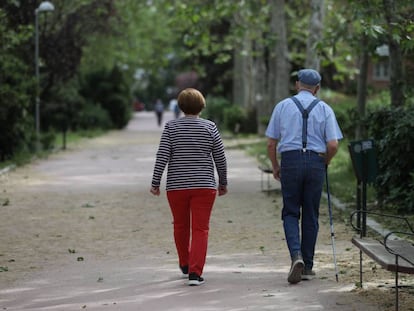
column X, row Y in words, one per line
column 192, row 148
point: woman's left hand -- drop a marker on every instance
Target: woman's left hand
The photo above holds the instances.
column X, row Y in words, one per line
column 155, row 190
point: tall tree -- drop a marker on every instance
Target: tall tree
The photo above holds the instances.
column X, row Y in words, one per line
column 315, row 34
column 242, row 75
column 362, row 89
column 367, row 36
column 279, row 59
column 16, row 89
column 392, row 17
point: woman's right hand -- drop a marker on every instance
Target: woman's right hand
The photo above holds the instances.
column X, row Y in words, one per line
column 222, row 190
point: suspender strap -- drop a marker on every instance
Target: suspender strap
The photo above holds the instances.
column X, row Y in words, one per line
column 305, row 115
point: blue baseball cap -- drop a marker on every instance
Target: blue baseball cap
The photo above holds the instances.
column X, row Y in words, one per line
column 309, row 77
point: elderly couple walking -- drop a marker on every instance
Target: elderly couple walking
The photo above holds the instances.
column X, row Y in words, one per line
column 192, row 150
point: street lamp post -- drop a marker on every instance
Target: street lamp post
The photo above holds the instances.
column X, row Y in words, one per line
column 45, row 6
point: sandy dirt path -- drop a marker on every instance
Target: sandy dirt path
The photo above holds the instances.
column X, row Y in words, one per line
column 80, row 230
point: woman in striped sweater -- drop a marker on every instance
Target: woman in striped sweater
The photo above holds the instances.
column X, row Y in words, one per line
column 193, row 149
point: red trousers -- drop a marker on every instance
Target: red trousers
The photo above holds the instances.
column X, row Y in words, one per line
column 191, row 210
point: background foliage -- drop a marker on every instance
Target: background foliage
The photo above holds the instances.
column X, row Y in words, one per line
column 16, row 85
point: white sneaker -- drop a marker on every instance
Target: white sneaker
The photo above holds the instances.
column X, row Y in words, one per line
column 195, row 280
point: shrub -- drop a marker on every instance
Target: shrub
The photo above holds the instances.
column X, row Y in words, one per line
column 63, row 107
column 234, row 119
column 393, row 131
column 347, row 120
column 250, row 125
column 119, row 109
column 214, row 110
column 93, row 117
column 47, row 140
column 110, row 91
column 17, row 86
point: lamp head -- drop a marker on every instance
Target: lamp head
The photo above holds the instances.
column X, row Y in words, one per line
column 45, row 6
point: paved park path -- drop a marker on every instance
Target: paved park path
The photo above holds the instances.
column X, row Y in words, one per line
column 80, row 231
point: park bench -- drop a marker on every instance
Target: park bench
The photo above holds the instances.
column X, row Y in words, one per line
column 265, row 170
column 394, row 252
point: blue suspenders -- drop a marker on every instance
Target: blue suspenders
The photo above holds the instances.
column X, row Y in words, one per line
column 305, row 115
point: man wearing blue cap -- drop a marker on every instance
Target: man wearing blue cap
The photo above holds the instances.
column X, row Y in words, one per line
column 304, row 131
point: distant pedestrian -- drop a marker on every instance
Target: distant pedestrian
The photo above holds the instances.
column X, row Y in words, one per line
column 307, row 146
column 175, row 108
column 191, row 148
column 159, row 111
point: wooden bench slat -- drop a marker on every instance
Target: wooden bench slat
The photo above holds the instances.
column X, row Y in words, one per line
column 378, row 252
column 403, row 248
column 266, row 169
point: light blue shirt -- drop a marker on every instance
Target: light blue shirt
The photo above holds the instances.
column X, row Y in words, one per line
column 285, row 125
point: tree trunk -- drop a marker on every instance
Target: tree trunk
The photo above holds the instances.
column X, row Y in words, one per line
column 271, row 73
column 360, row 130
column 245, row 73
column 396, row 68
column 396, row 75
column 242, row 75
column 238, row 95
column 260, row 96
column 315, row 34
column 279, row 66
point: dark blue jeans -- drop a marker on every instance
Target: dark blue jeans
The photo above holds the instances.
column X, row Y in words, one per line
column 302, row 179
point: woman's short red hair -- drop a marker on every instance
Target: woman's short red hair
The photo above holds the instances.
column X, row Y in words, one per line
column 191, row 101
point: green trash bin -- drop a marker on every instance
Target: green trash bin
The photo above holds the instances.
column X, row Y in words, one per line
column 364, row 160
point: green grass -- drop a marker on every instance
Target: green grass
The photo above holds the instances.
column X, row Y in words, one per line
column 25, row 156
column 341, row 176
column 74, row 137
column 342, row 180
column 20, row 158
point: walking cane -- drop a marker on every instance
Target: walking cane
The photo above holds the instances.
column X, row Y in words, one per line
column 331, row 224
